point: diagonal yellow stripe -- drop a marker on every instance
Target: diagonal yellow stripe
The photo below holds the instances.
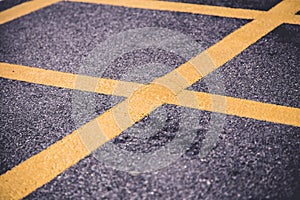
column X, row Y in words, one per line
column 62, row 154
column 109, row 125
column 233, row 44
column 24, row 9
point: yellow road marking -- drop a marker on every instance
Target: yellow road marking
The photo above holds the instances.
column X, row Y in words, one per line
column 234, row 106
column 263, row 111
column 181, row 7
column 34, row 5
column 34, row 171
column 244, row 108
column 66, row 80
column 294, row 20
column 235, row 43
column 48, row 167
column 24, row 9
column 36, row 75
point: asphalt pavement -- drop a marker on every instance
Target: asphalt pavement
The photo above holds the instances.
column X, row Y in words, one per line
column 251, row 159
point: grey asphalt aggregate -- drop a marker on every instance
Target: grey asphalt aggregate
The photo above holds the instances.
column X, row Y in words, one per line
column 251, row 160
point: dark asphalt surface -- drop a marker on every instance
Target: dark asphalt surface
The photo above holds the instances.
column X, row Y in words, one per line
column 248, row 4
column 252, row 159
column 62, row 35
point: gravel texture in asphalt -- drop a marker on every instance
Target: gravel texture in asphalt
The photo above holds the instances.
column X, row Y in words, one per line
column 251, row 160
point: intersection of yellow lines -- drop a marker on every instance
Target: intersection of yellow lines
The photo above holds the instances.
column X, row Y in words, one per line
column 46, row 165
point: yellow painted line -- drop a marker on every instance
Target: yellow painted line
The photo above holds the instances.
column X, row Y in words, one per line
column 234, row 106
column 34, row 171
column 67, row 80
column 181, row 7
column 140, row 104
column 189, row 8
column 243, row 108
column 36, row 75
column 263, row 111
column 232, row 45
column 294, row 20
column 46, row 165
column 24, row 9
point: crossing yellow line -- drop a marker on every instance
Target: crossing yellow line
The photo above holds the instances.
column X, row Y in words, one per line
column 24, row 9
column 181, row 7
column 140, row 104
column 234, row 106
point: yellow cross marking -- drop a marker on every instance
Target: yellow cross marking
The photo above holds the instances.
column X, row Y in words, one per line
column 46, row 165
column 234, row 106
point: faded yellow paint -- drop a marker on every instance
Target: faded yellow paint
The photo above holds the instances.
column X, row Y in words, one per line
column 86, row 83
column 234, row 43
column 146, row 99
column 92, row 136
column 125, row 89
column 173, row 81
column 108, row 124
column 189, row 73
column 24, row 9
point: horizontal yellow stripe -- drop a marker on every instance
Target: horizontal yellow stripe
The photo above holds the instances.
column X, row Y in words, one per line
column 36, row 75
column 24, row 9
column 293, row 20
column 263, row 111
column 67, row 80
column 181, row 7
column 243, row 108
